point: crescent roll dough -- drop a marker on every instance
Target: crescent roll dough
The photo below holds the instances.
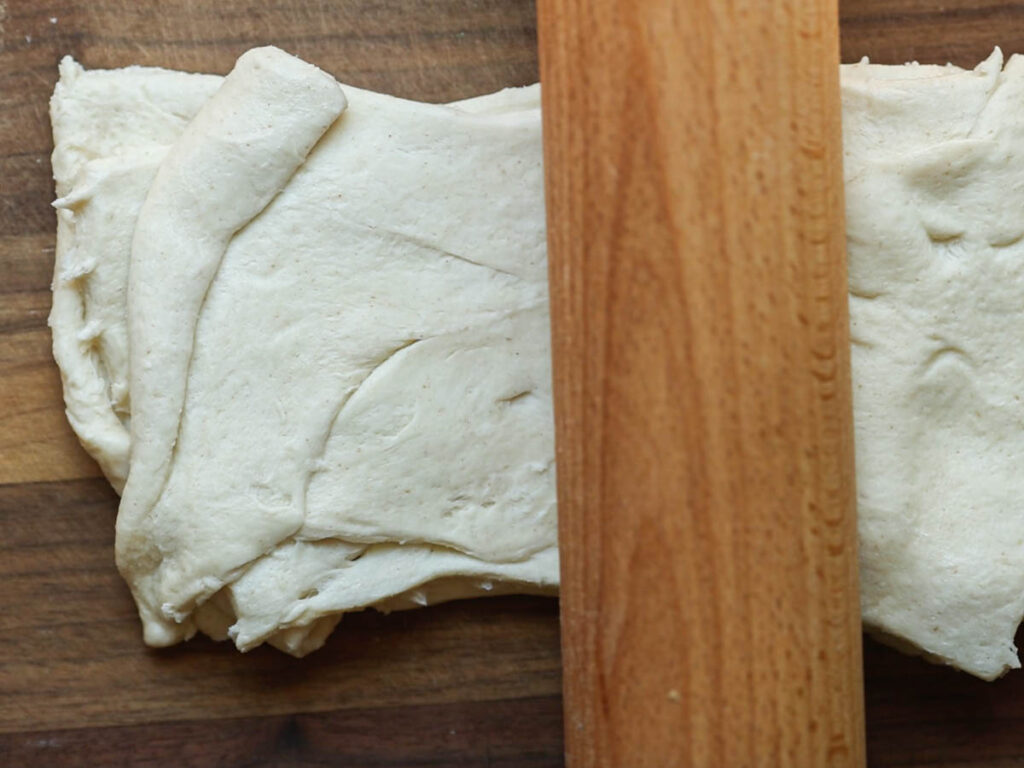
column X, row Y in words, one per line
column 330, row 388
column 297, row 589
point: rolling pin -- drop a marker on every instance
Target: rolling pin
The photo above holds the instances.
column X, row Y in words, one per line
column 710, row 614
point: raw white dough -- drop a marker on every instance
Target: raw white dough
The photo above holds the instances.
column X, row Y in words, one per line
column 108, row 126
column 532, row 575
column 935, row 216
column 305, row 580
column 354, row 268
column 96, row 218
column 934, row 181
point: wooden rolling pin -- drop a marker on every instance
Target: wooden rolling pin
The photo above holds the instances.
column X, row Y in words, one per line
column 710, row 614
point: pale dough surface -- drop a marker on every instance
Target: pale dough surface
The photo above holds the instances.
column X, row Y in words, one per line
column 323, row 562
column 935, row 216
column 934, row 179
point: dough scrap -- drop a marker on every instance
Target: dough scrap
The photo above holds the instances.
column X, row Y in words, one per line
column 216, row 615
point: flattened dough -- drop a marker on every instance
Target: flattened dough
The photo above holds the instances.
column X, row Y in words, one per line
column 934, row 180
column 318, row 561
column 935, row 216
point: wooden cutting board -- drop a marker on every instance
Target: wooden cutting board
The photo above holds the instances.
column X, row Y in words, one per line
column 469, row 684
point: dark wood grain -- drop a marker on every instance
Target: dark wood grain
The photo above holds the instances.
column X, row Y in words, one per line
column 76, row 686
column 930, row 31
column 507, row 733
column 922, row 715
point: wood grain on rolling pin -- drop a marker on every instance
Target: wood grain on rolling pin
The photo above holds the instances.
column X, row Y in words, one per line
column 695, row 212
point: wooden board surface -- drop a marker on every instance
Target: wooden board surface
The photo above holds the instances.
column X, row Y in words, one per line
column 76, row 686
column 703, row 406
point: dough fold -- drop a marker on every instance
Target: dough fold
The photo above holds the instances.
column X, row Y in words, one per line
column 302, row 335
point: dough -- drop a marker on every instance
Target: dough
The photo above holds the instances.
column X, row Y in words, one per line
column 233, row 158
column 935, row 217
column 318, row 562
column 111, row 129
column 934, row 179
